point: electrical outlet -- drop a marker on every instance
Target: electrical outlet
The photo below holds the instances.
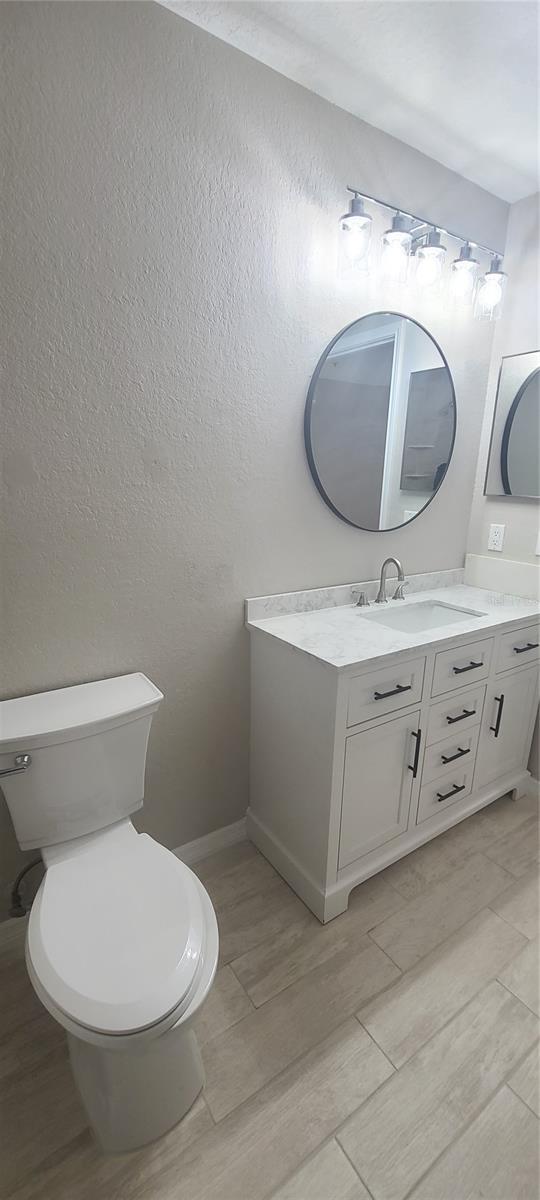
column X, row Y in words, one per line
column 496, row 537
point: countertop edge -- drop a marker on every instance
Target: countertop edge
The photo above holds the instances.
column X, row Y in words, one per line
column 401, row 652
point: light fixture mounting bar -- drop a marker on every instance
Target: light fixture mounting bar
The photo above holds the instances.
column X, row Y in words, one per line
column 423, row 221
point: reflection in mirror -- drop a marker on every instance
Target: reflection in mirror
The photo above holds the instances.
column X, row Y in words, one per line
column 380, row 421
column 514, row 457
column 519, row 451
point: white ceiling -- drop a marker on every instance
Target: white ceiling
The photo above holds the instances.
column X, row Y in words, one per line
column 456, row 79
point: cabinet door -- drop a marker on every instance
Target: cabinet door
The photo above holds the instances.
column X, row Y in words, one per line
column 377, row 785
column 506, row 727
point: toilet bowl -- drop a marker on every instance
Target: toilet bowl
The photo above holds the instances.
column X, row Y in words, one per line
column 122, row 940
column 122, row 949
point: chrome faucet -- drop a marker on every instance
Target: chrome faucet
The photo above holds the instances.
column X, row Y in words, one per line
column 402, row 582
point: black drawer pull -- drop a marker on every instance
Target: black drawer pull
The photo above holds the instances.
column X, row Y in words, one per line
column 466, row 713
column 400, row 687
column 523, row 649
column 495, row 728
column 418, row 735
column 453, row 792
column 471, row 667
column 446, row 758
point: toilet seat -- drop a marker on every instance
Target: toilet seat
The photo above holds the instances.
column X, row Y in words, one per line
column 116, row 936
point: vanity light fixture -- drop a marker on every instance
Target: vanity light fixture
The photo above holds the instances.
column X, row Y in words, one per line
column 490, row 292
column 355, row 237
column 430, row 260
column 411, row 250
column 396, row 248
column 463, row 277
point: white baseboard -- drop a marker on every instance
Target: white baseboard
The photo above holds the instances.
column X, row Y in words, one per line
column 219, row 839
column 533, row 788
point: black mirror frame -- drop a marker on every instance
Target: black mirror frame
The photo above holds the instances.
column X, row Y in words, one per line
column 309, row 406
column 505, row 441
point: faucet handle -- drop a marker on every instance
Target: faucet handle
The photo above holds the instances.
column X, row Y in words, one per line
column 398, row 594
column 360, row 597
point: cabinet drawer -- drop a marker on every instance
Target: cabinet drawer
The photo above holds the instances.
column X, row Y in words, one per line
column 519, row 648
column 454, row 786
column 383, row 691
column 455, row 667
column 458, row 750
column 455, row 713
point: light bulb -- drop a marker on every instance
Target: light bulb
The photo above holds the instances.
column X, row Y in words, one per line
column 490, row 292
column 429, row 269
column 355, row 238
column 463, row 277
column 462, row 281
column 430, row 260
column 356, row 234
column 396, row 247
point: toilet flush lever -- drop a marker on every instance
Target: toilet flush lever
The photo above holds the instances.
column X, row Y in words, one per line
column 22, row 761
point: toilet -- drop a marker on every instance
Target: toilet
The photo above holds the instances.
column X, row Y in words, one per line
column 122, row 940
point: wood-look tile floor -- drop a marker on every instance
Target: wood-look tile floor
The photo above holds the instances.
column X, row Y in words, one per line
column 392, row 1053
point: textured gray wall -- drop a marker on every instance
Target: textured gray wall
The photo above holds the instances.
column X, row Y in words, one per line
column 170, row 208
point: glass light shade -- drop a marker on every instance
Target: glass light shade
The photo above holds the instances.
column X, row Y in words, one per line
column 490, row 295
column 463, row 278
column 354, row 238
column 430, row 262
column 396, row 247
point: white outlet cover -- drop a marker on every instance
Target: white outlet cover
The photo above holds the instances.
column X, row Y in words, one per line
column 496, row 537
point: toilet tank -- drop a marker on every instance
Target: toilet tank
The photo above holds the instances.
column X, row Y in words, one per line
column 87, row 751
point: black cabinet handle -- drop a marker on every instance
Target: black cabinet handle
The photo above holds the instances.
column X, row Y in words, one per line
column 523, row 649
column 417, row 733
column 467, row 712
column 400, row 687
column 446, row 758
column 495, row 728
column 453, row 792
column 471, row 667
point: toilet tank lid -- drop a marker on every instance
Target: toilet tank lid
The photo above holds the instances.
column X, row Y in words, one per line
column 71, row 712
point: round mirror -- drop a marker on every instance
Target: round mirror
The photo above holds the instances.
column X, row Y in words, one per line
column 380, row 421
column 521, row 436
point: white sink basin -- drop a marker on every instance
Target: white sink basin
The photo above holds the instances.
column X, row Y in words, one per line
column 415, row 618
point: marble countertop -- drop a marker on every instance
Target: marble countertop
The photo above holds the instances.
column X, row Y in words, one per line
column 341, row 636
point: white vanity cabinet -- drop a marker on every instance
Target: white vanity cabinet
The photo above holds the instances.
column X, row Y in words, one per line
column 351, row 769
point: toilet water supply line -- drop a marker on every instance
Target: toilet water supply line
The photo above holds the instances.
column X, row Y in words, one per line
column 17, row 908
